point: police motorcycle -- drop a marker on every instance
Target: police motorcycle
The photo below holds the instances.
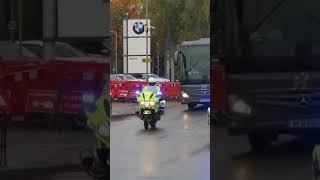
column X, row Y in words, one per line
column 151, row 106
column 95, row 161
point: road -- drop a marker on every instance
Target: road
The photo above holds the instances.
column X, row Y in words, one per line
column 178, row 149
column 50, row 154
column 288, row 158
column 45, row 175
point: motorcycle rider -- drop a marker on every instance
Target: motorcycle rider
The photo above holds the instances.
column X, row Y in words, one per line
column 155, row 87
column 98, row 120
column 316, row 161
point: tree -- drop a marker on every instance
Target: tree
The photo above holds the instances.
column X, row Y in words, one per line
column 174, row 20
column 178, row 21
column 119, row 8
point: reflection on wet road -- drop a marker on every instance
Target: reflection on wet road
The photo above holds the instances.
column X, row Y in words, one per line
column 288, row 158
column 177, row 149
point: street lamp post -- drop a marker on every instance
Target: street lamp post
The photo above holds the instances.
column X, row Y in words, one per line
column 127, row 39
column 147, row 53
column 116, row 46
column 158, row 59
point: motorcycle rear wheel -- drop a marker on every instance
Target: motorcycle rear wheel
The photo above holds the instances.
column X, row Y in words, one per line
column 153, row 124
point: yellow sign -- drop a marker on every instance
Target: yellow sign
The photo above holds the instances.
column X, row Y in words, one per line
column 146, row 60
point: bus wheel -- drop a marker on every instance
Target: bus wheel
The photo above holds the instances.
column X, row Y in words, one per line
column 259, row 141
column 191, row 106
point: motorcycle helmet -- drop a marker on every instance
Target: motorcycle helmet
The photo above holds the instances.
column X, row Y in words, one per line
column 152, row 83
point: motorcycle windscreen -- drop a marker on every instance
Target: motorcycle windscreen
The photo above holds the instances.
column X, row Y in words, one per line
column 147, row 112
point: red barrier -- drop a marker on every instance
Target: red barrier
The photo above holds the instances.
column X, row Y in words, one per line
column 127, row 89
column 134, row 86
column 170, row 89
column 118, row 89
column 50, row 87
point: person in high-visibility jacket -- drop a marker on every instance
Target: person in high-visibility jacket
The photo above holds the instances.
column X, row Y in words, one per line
column 155, row 87
column 99, row 121
column 316, row 162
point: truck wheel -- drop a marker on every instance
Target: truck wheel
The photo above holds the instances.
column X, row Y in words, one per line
column 146, row 125
column 259, row 142
column 191, row 106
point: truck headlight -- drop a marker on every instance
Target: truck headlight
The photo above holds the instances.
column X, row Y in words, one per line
column 184, row 95
column 238, row 105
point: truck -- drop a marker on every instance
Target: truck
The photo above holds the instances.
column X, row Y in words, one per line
column 193, row 62
column 270, row 50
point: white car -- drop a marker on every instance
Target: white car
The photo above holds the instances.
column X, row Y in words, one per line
column 155, row 78
column 129, row 77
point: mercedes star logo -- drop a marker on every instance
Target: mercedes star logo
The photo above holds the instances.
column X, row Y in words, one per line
column 304, row 100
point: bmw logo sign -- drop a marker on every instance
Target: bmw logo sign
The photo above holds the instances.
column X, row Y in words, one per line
column 138, row 27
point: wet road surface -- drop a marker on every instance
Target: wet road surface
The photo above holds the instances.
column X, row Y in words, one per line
column 288, row 158
column 178, row 149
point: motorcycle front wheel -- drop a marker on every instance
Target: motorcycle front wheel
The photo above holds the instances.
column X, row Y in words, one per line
column 146, row 124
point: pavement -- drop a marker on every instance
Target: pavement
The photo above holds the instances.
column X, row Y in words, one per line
column 288, row 158
column 178, row 149
column 37, row 153
column 123, row 109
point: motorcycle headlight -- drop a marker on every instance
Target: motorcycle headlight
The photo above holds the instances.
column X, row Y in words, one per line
column 151, row 103
column 142, row 102
column 88, row 98
column 238, row 105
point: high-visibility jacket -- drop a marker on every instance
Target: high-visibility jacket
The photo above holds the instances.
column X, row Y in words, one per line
column 152, row 88
column 97, row 119
column 316, row 161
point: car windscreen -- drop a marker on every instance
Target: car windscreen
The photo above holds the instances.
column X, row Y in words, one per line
column 61, row 50
column 286, row 41
column 36, row 49
column 66, row 50
column 113, row 77
column 196, row 64
column 130, row 77
column 11, row 50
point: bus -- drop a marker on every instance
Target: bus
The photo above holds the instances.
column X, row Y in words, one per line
column 193, row 65
column 270, row 50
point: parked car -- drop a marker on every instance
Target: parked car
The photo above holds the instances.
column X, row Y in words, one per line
column 12, row 50
column 63, row 51
column 155, row 78
column 129, row 77
column 115, row 77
